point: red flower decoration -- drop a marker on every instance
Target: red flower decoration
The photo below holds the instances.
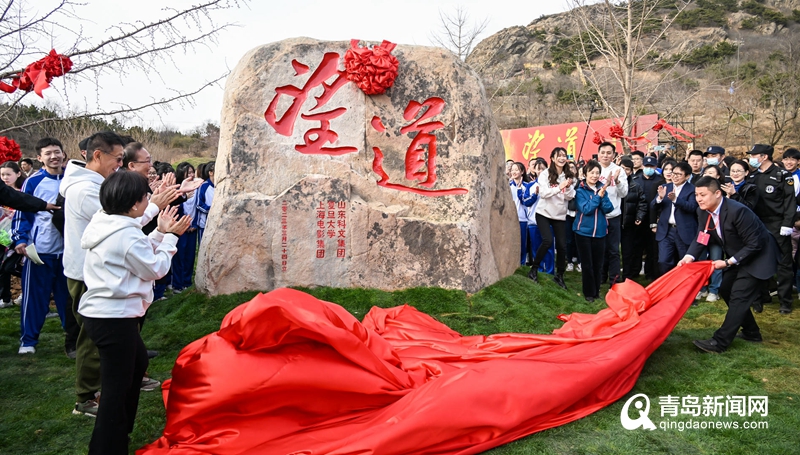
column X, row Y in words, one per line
column 598, row 139
column 372, row 70
column 38, row 75
column 9, row 150
column 616, row 132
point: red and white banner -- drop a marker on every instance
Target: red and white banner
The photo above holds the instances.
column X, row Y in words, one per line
column 524, row 144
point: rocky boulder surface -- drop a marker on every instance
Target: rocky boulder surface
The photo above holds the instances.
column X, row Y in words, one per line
column 318, row 184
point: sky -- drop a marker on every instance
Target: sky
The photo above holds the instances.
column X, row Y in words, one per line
column 259, row 22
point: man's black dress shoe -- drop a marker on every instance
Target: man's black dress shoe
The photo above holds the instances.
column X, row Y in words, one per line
column 708, row 346
column 785, row 310
column 151, row 354
column 750, row 338
column 758, row 307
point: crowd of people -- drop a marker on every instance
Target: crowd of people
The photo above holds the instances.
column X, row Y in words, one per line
column 623, row 216
column 103, row 237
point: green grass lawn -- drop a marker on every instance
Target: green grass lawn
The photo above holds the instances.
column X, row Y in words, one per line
column 37, row 393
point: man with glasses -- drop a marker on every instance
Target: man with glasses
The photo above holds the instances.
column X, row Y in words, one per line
column 81, row 190
column 136, row 158
column 677, row 223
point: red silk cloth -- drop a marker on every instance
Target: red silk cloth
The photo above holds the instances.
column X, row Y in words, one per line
column 38, row 75
column 290, row 374
column 372, row 70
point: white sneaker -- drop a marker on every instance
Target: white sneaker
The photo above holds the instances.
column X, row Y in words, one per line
column 26, row 350
column 578, row 267
column 18, row 300
column 712, row 298
column 6, row 304
column 570, row 267
column 701, row 294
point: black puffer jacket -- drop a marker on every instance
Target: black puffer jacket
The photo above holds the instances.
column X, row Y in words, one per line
column 634, row 207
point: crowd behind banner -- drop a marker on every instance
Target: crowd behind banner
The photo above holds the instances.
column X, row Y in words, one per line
column 620, row 217
column 102, row 237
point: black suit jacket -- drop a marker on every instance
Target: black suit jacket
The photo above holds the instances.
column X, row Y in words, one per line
column 744, row 238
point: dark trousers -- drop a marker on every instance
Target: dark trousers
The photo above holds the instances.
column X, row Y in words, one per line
column 650, row 248
column 671, row 250
column 558, row 230
column 183, row 261
column 523, row 239
column 38, row 283
column 592, row 253
column 87, row 359
column 123, row 361
column 573, row 252
column 611, row 267
column 631, row 252
column 739, row 289
column 784, row 275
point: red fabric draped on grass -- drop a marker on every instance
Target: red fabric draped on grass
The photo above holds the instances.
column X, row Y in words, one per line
column 290, row 374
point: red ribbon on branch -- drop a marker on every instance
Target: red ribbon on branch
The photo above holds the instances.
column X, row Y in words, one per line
column 38, row 75
column 372, row 70
column 677, row 133
column 9, row 150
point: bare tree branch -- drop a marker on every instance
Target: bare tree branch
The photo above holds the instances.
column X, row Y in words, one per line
column 456, row 34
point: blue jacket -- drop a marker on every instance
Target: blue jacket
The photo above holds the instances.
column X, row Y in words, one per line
column 590, row 217
column 524, row 197
column 37, row 228
column 203, row 198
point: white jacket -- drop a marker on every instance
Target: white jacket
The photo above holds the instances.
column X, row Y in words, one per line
column 552, row 200
column 616, row 191
column 81, row 190
column 121, row 265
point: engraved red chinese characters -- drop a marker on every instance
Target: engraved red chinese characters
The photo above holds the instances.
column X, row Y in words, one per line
column 424, row 142
column 315, row 139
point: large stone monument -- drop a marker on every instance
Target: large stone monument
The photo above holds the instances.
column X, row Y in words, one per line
column 320, row 184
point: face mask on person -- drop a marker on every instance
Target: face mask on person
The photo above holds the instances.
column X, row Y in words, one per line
column 753, row 162
column 649, row 171
column 713, row 161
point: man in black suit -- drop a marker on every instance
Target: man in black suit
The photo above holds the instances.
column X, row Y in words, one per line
column 675, row 205
column 752, row 258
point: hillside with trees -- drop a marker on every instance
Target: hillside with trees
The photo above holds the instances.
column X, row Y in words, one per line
column 726, row 69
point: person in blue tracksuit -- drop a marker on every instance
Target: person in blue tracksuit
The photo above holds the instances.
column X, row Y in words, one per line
column 591, row 228
column 39, row 281
column 183, row 261
column 204, row 198
column 523, row 199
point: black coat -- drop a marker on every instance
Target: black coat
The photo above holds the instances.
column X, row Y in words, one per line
column 747, row 195
column 650, row 188
column 19, row 200
column 635, row 205
column 744, row 238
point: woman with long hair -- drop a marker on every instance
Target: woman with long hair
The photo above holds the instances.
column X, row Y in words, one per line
column 523, row 198
column 555, row 189
column 591, row 227
column 548, row 264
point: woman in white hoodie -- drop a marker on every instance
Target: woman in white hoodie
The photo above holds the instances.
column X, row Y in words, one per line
column 555, row 189
column 121, row 265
